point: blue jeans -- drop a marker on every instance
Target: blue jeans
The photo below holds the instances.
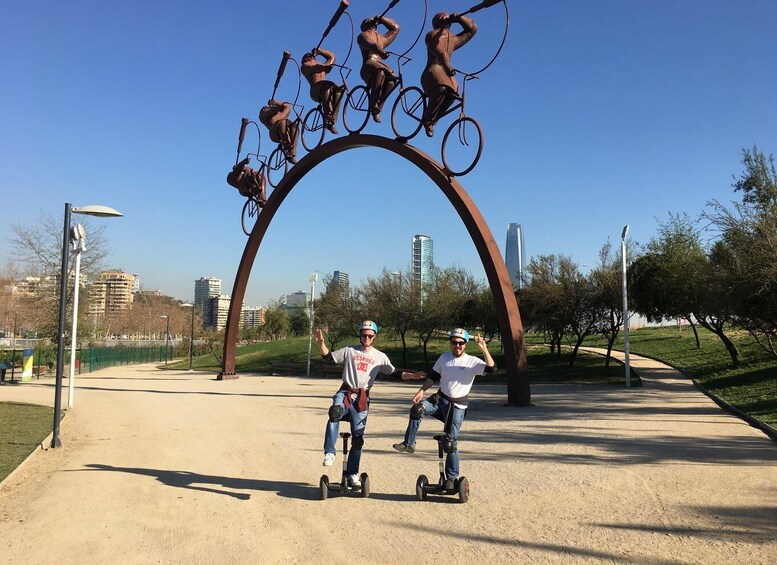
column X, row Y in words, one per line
column 358, row 425
column 440, row 411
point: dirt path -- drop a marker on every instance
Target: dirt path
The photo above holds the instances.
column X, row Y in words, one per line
column 173, row 467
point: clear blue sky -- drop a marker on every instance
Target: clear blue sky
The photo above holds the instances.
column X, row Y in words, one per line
column 597, row 114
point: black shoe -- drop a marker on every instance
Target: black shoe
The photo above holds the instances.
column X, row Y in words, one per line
column 404, row 448
column 450, row 484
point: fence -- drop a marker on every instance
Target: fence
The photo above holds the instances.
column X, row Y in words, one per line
column 89, row 359
column 96, row 358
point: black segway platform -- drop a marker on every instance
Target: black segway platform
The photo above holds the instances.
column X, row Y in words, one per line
column 325, row 487
column 460, row 484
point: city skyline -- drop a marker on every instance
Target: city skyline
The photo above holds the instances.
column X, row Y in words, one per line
column 595, row 115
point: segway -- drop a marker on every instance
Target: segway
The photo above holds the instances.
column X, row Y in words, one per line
column 343, row 486
column 460, row 484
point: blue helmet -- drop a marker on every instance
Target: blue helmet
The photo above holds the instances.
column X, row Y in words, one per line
column 368, row 325
column 459, row 332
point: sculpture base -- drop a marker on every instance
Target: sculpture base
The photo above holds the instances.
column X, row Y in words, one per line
column 227, row 376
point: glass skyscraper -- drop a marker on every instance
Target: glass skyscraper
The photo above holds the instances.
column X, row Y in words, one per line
column 514, row 253
column 422, row 258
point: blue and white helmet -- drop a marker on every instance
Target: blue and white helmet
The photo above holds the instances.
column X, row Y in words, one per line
column 368, row 325
column 459, row 332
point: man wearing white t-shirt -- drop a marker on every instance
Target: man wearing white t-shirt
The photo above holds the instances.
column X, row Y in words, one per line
column 455, row 371
column 361, row 366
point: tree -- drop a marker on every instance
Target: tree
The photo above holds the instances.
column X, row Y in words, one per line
column 608, row 293
column 437, row 308
column 338, row 312
column 276, row 320
column 745, row 257
column 299, row 322
column 37, row 248
column 676, row 278
column 542, row 302
column 559, row 300
column 394, row 301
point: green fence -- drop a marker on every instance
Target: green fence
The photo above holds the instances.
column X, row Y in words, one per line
column 97, row 358
column 87, row 359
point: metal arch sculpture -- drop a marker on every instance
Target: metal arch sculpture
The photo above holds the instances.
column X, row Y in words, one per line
column 518, row 391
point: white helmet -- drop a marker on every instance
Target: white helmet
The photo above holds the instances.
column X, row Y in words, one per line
column 459, row 332
column 368, row 325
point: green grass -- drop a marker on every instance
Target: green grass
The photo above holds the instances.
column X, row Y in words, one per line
column 751, row 386
column 24, row 427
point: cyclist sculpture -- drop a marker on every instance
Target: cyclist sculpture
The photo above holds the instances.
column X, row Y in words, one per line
column 377, row 75
column 439, row 77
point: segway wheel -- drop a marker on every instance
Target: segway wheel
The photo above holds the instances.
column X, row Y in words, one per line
column 420, row 485
column 463, row 489
column 323, row 487
column 365, row 485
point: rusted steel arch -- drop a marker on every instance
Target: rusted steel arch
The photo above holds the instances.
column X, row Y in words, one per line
column 518, row 390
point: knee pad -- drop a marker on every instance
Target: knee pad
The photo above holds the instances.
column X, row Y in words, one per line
column 335, row 413
column 449, row 445
column 358, row 442
column 417, row 411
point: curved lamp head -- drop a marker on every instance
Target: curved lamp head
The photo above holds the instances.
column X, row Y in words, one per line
column 625, row 231
column 97, row 210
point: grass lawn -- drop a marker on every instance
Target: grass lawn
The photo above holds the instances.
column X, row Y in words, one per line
column 23, row 427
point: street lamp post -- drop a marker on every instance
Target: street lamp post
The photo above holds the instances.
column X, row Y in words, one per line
column 625, row 306
column 93, row 210
column 313, row 279
column 191, row 334
column 78, row 238
column 167, row 335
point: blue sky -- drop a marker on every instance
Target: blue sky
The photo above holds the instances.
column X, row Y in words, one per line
column 596, row 114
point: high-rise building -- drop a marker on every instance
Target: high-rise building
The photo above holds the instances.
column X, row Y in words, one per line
column 252, row 316
column 340, row 279
column 205, row 288
column 514, row 253
column 297, row 299
column 215, row 312
column 111, row 293
column 422, row 258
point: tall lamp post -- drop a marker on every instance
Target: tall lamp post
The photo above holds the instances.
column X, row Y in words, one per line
column 191, row 333
column 313, row 279
column 167, row 335
column 94, row 210
column 78, row 239
column 625, row 306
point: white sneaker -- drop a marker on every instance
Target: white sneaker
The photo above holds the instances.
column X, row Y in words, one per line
column 329, row 459
column 353, row 481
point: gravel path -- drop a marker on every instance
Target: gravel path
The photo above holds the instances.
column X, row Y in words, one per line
column 175, row 467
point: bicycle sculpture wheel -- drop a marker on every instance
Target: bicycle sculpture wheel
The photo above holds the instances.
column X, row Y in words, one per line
column 356, row 110
column 313, row 129
column 277, row 165
column 462, row 146
column 407, row 113
column 249, row 215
